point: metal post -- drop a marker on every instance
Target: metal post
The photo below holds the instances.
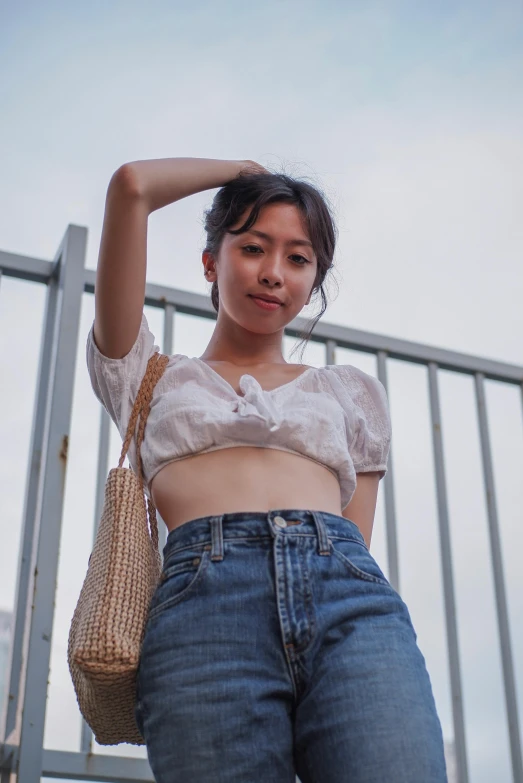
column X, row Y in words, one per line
column 509, row 679
column 86, row 738
column 168, row 335
column 71, row 284
column 168, row 328
column 448, row 578
column 330, row 350
column 390, row 505
column 19, row 632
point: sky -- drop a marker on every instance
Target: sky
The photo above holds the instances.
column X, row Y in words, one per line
column 409, row 116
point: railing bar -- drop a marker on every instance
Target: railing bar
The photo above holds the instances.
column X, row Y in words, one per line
column 168, row 342
column 190, row 303
column 168, row 328
column 53, row 487
column 35, row 270
column 448, row 579
column 60, row 764
column 330, row 352
column 102, row 467
column 86, row 737
column 390, row 504
column 509, row 679
column 30, row 514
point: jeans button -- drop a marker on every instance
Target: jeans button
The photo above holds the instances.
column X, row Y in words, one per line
column 280, row 522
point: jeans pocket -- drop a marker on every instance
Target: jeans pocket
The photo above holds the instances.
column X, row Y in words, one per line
column 181, row 572
column 358, row 561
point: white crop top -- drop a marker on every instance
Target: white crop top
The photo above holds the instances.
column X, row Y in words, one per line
column 336, row 415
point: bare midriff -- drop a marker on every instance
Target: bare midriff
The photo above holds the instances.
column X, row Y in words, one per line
column 243, row 478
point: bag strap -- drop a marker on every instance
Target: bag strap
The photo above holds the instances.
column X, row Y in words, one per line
column 140, row 412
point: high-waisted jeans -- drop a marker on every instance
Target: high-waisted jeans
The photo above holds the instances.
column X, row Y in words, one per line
column 276, row 647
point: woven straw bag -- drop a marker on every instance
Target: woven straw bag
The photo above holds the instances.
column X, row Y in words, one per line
column 108, row 624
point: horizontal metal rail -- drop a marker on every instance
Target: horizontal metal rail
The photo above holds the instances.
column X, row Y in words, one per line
column 199, row 305
column 60, row 764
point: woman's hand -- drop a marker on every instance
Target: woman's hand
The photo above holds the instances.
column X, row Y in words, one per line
column 251, row 167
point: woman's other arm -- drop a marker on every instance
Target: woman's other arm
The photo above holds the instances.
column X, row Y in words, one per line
column 136, row 189
column 362, row 507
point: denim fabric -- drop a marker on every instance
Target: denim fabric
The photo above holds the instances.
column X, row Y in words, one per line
column 276, row 647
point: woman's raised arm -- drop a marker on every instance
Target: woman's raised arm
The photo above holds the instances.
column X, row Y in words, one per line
column 135, row 190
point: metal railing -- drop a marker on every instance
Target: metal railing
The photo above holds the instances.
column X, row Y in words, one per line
column 66, row 279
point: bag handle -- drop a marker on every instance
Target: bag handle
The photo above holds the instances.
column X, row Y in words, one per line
column 141, row 408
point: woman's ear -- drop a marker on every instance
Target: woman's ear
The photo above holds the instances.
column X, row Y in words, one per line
column 209, row 267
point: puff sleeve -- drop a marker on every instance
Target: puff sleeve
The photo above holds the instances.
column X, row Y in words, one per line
column 370, row 444
column 116, row 382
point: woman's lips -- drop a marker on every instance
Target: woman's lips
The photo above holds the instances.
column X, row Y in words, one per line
column 264, row 304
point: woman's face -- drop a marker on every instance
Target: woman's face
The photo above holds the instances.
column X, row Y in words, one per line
column 274, row 258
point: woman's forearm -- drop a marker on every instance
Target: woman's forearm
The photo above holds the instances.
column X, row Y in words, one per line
column 163, row 181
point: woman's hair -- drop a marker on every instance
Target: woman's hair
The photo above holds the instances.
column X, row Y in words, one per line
column 256, row 190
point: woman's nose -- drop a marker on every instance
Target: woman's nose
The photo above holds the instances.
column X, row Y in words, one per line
column 272, row 270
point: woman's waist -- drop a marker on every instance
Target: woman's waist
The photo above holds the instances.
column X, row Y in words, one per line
column 242, row 478
column 254, row 527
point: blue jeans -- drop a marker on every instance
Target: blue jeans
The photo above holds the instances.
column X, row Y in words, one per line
column 276, row 647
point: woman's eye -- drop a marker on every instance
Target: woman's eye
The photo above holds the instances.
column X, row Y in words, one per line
column 254, row 250
column 301, row 259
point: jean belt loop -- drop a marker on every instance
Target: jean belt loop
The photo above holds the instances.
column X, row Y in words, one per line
column 217, row 538
column 324, row 544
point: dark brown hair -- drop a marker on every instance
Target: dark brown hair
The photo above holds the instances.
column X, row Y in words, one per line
column 256, row 190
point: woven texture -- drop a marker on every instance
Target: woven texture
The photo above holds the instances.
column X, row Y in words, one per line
column 108, row 624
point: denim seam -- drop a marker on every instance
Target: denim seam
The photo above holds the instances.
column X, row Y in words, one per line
column 357, row 572
column 284, row 619
column 178, row 568
column 170, row 602
column 189, row 547
column 311, row 616
column 351, row 539
column 208, row 541
column 234, row 539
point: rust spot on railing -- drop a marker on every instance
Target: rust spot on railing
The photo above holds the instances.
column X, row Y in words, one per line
column 62, row 456
column 64, row 450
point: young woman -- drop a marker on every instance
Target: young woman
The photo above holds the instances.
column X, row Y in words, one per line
column 275, row 646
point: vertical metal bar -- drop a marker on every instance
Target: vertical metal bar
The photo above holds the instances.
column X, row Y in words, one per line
column 448, row 578
column 102, row 467
column 390, row 504
column 168, row 340
column 86, row 737
column 30, row 513
column 8, row 757
column 71, row 284
column 330, row 350
column 509, row 679
column 168, row 328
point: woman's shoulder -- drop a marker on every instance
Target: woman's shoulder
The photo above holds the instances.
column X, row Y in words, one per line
column 364, row 390
column 115, row 382
column 354, row 376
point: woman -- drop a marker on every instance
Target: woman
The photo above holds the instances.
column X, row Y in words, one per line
column 275, row 645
